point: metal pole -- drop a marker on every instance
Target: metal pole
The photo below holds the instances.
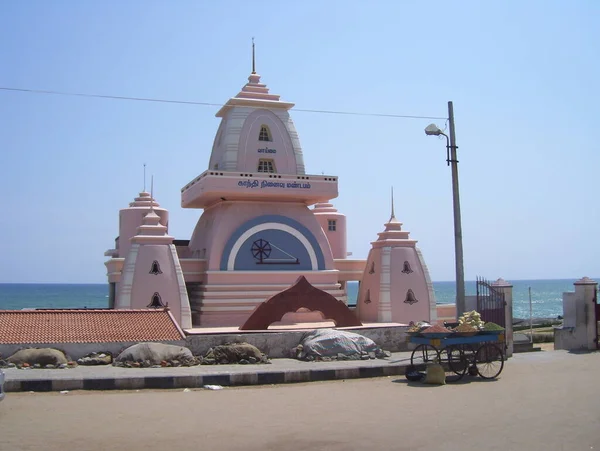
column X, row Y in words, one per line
column 458, row 247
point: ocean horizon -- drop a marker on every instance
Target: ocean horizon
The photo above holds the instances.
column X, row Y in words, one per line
column 546, row 295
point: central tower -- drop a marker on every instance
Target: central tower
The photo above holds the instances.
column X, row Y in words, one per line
column 257, row 234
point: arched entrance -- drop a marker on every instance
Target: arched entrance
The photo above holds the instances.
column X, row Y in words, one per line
column 300, row 295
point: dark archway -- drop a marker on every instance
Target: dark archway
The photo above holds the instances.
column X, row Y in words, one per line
column 301, row 294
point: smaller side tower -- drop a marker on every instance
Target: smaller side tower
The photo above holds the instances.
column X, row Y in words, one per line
column 131, row 218
column 152, row 276
column 395, row 286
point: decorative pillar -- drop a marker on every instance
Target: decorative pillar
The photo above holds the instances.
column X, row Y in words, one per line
column 585, row 293
column 384, row 315
column 503, row 286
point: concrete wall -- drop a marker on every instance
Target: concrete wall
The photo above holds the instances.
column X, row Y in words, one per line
column 279, row 344
column 75, row 351
column 578, row 331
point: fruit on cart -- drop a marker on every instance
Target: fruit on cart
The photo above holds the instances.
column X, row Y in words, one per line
column 471, row 318
column 492, row 326
column 465, row 328
column 418, row 327
column 435, row 329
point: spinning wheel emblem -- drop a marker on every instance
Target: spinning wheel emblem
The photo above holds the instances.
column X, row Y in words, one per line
column 261, row 249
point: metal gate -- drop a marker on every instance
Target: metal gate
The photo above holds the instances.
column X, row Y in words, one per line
column 597, row 316
column 490, row 303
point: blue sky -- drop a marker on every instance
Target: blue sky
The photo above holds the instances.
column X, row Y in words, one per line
column 522, row 76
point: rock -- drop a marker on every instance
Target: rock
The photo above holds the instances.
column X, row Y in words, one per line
column 135, row 365
column 63, row 366
column 175, row 363
column 365, row 357
column 244, row 362
column 11, row 365
column 43, row 356
column 326, row 359
column 206, row 361
column 387, row 354
column 335, row 343
column 50, row 367
column 37, row 365
column 252, row 360
column 25, row 365
column 95, row 358
column 234, row 352
column 155, row 353
column 372, row 355
column 156, row 366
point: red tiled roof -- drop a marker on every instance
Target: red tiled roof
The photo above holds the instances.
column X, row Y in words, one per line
column 87, row 326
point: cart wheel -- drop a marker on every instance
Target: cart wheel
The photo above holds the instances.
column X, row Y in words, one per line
column 489, row 361
column 456, row 363
column 424, row 354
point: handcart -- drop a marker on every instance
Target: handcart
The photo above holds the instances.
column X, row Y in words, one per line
column 481, row 354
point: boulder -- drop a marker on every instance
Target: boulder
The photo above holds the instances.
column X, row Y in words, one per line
column 41, row 357
column 343, row 345
column 235, row 352
column 96, row 358
column 155, row 353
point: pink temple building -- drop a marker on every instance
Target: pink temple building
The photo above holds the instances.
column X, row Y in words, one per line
column 265, row 222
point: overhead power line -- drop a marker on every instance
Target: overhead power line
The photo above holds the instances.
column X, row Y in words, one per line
column 191, row 102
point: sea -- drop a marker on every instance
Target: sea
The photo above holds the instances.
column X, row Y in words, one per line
column 546, row 296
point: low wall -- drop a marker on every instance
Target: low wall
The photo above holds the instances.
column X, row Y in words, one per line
column 570, row 338
column 278, row 344
column 75, row 351
column 274, row 344
column 446, row 312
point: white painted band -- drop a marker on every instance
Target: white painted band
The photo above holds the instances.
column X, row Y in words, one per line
column 268, row 226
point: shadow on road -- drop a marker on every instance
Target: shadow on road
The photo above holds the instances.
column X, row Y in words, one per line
column 463, row 381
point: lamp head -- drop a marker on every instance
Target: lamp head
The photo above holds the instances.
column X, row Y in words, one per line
column 433, row 130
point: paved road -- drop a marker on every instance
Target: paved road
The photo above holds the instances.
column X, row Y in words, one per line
column 543, row 401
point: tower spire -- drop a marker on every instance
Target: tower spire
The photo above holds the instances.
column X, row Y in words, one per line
column 253, row 58
column 393, row 215
column 144, row 177
column 151, row 193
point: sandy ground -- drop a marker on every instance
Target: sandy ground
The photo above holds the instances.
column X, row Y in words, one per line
column 542, row 401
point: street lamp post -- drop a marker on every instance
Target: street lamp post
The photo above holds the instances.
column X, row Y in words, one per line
column 452, row 161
